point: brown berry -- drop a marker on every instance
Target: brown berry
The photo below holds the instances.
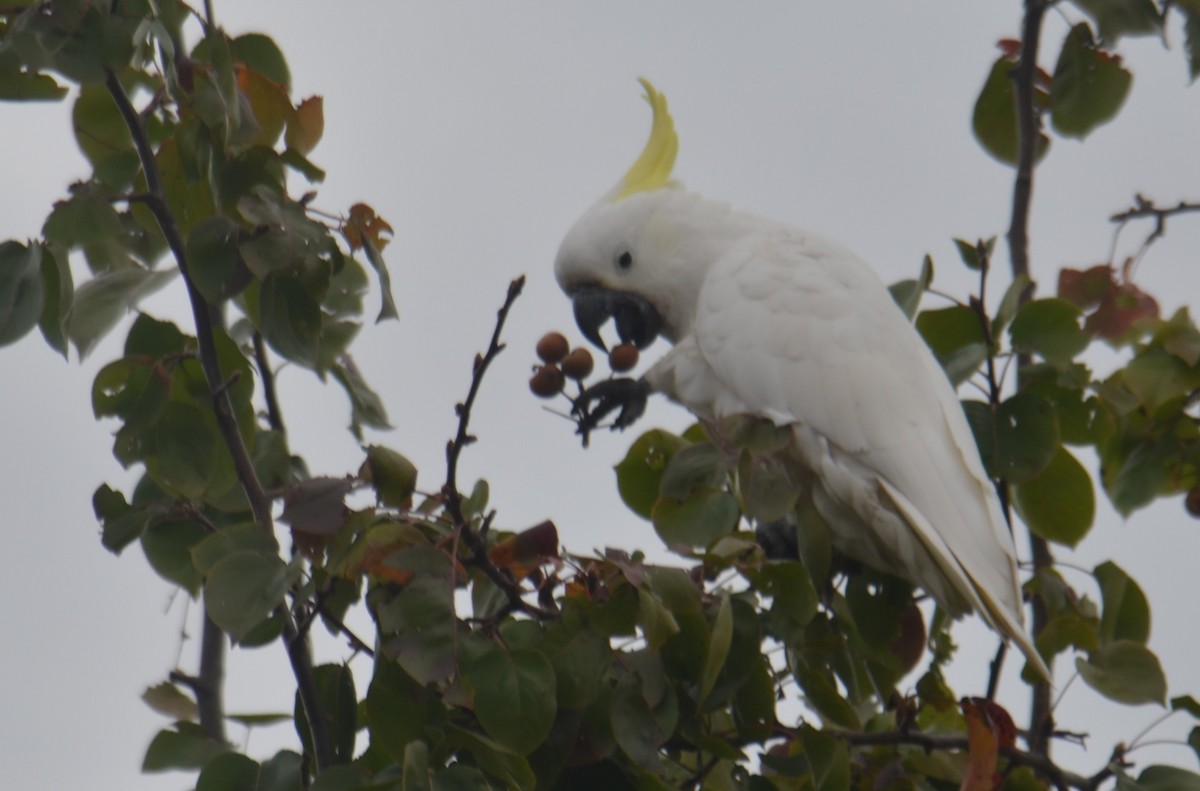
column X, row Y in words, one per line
column 909, row 644
column 552, row 347
column 1192, row 502
column 578, row 364
column 547, row 381
column 622, row 358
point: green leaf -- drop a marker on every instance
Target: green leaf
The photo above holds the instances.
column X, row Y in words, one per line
column 84, row 219
column 416, row 767
column 262, row 54
column 657, row 622
column 512, row 769
column 388, row 308
column 214, row 262
column 22, row 291
column 829, row 759
column 400, row 710
column 1049, row 327
column 417, row 624
column 1126, row 613
column 1058, row 504
column 956, row 338
column 366, row 407
column 640, row 473
column 338, row 704
column 244, row 588
column 767, row 486
column 697, row 521
column 103, row 137
column 994, row 120
column 1117, row 18
column 514, row 697
column 189, row 457
column 1020, row 441
column 392, row 476
column 1089, row 85
column 228, row 540
column 969, row 251
column 908, row 293
column 170, row 701
column 1186, row 703
column 645, row 710
column 290, row 319
column 168, row 547
column 1165, row 778
column 693, row 469
column 718, row 647
column 56, row 302
column 102, row 302
column 581, row 656
column 822, row 694
column 186, row 747
column 1009, row 303
column 229, row 772
column 793, row 599
column 19, row 85
column 1136, row 474
column 133, row 389
column 1126, row 672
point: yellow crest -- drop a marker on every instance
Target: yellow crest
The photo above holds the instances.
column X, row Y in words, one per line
column 653, row 168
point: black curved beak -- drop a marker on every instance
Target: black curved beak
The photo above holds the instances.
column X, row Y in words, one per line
column 636, row 319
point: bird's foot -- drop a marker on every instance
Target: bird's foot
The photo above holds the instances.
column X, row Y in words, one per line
column 627, row 397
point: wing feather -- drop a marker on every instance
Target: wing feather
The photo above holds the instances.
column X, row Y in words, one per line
column 796, row 328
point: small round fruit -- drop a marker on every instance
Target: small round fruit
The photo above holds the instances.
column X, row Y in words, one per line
column 552, row 347
column 622, row 358
column 547, row 381
column 1192, row 502
column 578, row 364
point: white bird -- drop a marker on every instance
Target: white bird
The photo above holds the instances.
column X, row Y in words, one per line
column 771, row 321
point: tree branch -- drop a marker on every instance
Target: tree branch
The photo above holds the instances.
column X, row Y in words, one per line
column 260, row 504
column 1038, row 762
column 1142, row 208
column 274, row 413
column 476, row 541
column 1028, row 130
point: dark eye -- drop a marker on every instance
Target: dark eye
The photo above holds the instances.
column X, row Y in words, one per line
column 626, row 260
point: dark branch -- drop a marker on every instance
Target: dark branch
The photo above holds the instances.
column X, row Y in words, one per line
column 274, row 413
column 1028, row 133
column 260, row 502
column 476, row 541
column 1144, row 208
column 463, row 437
column 1038, row 762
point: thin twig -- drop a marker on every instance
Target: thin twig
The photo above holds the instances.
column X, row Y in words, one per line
column 463, row 437
column 260, row 503
column 476, row 541
column 1028, row 132
column 274, row 413
column 1143, row 208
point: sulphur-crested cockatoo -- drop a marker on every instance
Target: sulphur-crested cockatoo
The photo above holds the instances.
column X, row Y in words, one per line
column 772, row 321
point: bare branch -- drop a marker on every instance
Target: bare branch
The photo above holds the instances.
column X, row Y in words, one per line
column 1028, row 131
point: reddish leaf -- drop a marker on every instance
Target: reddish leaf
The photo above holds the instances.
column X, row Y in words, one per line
column 1120, row 308
column 307, row 125
column 525, row 551
column 1085, row 288
column 989, row 730
column 362, row 224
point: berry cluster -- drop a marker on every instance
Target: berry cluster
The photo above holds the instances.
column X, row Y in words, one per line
column 560, row 362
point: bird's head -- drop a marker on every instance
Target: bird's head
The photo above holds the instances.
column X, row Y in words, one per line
column 628, row 258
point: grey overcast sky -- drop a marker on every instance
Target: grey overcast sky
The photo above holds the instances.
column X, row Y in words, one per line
column 480, row 131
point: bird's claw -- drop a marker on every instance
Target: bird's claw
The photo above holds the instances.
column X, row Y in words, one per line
column 600, row 400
